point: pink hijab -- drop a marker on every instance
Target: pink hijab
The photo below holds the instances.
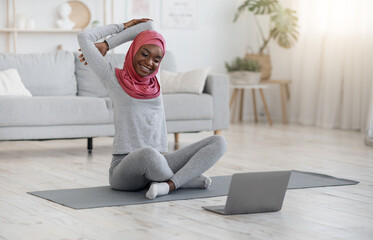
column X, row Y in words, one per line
column 133, row 84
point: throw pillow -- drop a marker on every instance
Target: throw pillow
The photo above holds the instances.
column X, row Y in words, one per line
column 11, row 84
column 188, row 82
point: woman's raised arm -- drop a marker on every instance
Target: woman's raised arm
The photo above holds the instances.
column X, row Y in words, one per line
column 92, row 55
column 131, row 30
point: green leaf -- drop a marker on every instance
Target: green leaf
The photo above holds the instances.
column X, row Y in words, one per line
column 284, row 21
column 258, row 7
column 240, row 10
column 285, row 27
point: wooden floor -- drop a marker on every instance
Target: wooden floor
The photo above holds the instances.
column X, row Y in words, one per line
column 320, row 213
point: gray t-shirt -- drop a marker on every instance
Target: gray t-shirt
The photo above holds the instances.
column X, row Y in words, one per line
column 138, row 123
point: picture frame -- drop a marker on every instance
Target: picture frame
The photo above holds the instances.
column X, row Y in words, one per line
column 179, row 13
column 139, row 9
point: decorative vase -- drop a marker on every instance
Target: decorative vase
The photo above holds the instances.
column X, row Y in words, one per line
column 21, row 21
column 30, row 23
column 64, row 11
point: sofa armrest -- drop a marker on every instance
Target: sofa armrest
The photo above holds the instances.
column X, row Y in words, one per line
column 217, row 85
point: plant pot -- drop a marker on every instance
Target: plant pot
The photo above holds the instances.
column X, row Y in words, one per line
column 244, row 77
column 264, row 61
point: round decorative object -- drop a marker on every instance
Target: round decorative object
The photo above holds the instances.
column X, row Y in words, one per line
column 244, row 77
column 80, row 14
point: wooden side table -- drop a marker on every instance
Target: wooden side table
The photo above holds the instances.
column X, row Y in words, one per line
column 240, row 89
column 285, row 95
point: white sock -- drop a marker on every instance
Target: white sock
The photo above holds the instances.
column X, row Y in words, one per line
column 202, row 181
column 157, row 189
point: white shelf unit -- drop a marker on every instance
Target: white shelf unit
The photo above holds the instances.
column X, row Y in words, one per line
column 12, row 30
column 46, row 30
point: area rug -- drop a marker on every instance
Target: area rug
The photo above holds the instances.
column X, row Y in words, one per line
column 94, row 197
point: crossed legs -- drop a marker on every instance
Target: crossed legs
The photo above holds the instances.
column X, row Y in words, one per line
column 171, row 171
column 191, row 161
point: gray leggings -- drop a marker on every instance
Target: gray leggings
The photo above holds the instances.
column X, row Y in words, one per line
column 133, row 171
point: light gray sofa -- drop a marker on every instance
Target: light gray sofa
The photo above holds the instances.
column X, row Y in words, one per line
column 70, row 102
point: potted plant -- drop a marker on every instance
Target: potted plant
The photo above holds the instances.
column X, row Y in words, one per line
column 244, row 71
column 283, row 28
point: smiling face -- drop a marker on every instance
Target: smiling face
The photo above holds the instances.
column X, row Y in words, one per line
column 147, row 59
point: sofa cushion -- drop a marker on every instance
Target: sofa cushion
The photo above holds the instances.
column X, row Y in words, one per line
column 44, row 111
column 45, row 74
column 88, row 82
column 187, row 82
column 11, row 84
column 184, row 106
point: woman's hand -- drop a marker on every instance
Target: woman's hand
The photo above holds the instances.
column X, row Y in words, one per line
column 133, row 22
column 103, row 47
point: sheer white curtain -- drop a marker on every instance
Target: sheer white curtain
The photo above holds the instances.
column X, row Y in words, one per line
column 332, row 64
column 369, row 137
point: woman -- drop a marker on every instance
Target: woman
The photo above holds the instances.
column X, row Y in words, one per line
column 139, row 119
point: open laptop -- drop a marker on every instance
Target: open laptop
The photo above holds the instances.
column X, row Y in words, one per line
column 254, row 193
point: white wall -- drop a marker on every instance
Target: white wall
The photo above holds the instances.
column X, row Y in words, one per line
column 216, row 40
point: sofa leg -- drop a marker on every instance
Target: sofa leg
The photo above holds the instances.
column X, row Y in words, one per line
column 217, row 132
column 89, row 144
column 176, row 135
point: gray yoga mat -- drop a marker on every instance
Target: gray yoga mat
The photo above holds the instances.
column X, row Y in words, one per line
column 82, row 198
